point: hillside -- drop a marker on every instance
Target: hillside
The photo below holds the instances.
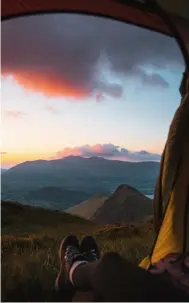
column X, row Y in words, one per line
column 86, row 209
column 29, row 247
column 126, row 204
column 19, row 219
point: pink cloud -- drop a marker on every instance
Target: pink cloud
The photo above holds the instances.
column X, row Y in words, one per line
column 14, row 114
column 68, row 151
column 109, row 151
column 100, row 97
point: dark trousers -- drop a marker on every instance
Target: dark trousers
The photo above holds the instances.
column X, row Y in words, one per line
column 114, row 279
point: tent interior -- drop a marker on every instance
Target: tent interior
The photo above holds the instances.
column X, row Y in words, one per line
column 171, row 200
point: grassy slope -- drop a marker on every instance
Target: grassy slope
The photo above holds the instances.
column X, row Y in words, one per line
column 30, row 241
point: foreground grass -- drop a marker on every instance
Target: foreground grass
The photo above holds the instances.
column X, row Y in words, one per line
column 30, row 241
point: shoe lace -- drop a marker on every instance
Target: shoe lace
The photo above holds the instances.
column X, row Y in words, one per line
column 71, row 252
column 94, row 254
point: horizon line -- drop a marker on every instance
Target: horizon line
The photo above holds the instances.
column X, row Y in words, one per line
column 77, row 156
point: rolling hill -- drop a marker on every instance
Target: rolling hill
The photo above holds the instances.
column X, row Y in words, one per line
column 126, row 204
column 22, row 220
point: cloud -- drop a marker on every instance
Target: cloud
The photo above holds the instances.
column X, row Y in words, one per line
column 153, row 79
column 100, row 97
column 51, row 109
column 14, row 114
column 65, row 55
column 109, row 151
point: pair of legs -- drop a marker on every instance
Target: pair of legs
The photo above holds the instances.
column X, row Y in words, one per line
column 108, row 277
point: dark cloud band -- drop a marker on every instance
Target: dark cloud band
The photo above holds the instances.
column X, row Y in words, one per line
column 64, row 55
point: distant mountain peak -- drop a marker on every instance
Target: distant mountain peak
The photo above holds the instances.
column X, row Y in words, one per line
column 126, row 204
column 126, row 187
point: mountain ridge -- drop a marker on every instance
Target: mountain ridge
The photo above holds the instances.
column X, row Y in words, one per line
column 94, row 175
column 72, row 157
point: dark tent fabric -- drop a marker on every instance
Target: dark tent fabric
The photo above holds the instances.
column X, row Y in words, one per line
column 114, row 9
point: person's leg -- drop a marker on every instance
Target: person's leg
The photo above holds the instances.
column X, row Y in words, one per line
column 82, row 278
column 71, row 257
column 111, row 278
column 69, row 253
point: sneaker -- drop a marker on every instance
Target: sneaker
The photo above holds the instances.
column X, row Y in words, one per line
column 69, row 253
column 89, row 249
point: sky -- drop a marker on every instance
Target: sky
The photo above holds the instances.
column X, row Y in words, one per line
column 87, row 86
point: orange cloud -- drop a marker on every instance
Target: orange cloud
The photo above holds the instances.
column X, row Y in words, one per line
column 50, row 86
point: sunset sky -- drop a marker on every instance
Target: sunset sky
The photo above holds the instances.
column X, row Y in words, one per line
column 85, row 86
